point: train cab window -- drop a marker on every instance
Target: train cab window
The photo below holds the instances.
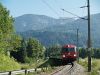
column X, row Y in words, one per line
column 68, row 49
column 64, row 49
column 71, row 49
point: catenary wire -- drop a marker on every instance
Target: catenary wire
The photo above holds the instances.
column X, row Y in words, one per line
column 50, row 7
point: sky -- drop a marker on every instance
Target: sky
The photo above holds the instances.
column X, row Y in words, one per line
column 50, row 8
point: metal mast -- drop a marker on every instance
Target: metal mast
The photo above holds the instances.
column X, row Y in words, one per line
column 89, row 38
column 78, row 43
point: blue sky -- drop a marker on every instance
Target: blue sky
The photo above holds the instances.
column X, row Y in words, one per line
column 50, row 7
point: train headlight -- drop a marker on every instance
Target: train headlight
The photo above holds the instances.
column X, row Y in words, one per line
column 74, row 55
column 63, row 56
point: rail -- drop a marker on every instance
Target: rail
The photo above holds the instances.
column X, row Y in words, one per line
column 65, row 70
column 71, row 71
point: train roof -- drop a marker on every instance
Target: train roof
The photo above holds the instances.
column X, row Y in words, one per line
column 69, row 46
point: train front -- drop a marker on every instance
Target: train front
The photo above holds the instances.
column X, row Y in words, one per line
column 69, row 53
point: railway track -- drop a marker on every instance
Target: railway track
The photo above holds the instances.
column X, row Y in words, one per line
column 66, row 70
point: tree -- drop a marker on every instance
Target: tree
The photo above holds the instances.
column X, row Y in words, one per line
column 96, row 53
column 83, row 52
column 6, row 29
column 16, row 42
column 34, row 49
column 54, row 51
column 22, row 52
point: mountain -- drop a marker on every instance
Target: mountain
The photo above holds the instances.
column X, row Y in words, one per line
column 82, row 25
column 36, row 22
column 79, row 23
column 51, row 31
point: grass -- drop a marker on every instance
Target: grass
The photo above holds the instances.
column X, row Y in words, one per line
column 95, row 65
column 32, row 64
column 47, row 70
column 8, row 64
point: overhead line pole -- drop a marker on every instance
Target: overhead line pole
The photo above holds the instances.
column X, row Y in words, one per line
column 78, row 43
column 89, row 38
column 89, row 35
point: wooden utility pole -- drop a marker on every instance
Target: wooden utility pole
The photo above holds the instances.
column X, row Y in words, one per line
column 89, row 38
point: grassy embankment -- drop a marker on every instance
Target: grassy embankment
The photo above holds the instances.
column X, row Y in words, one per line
column 95, row 65
column 8, row 64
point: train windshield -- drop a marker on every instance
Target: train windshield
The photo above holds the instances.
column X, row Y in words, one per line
column 68, row 49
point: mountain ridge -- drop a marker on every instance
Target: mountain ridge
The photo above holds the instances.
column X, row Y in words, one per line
column 61, row 27
column 36, row 22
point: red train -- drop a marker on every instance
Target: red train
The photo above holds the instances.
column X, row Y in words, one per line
column 69, row 53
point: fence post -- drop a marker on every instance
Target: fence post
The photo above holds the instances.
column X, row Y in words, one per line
column 35, row 69
column 25, row 72
column 9, row 72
